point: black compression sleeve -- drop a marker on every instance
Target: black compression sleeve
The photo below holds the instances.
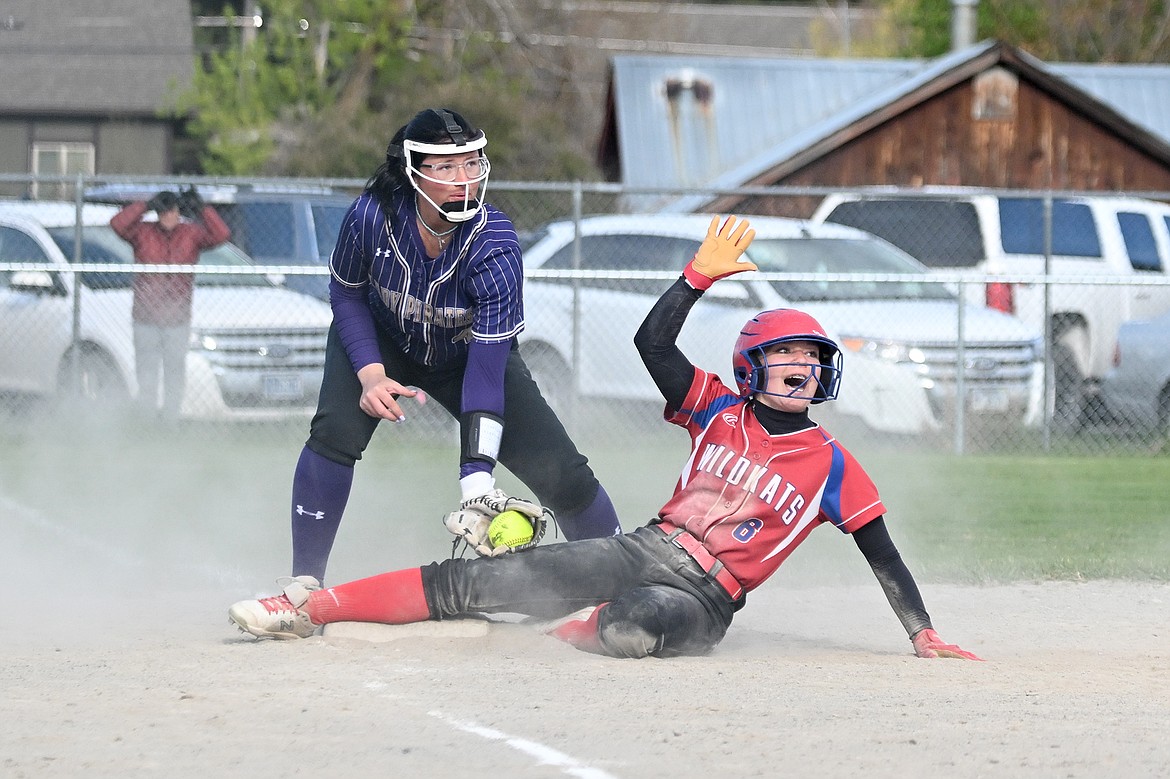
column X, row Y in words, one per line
column 668, row 366
column 874, row 541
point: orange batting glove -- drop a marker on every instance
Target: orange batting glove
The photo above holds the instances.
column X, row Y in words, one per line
column 718, row 256
column 927, row 643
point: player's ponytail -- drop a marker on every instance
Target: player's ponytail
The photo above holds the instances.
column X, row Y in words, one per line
column 390, row 176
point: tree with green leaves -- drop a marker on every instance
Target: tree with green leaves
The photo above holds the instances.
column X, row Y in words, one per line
column 1053, row 30
column 311, row 59
column 324, row 83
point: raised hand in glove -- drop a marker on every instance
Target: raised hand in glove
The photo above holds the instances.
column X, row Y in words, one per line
column 927, row 643
column 190, row 203
column 470, row 523
column 719, row 254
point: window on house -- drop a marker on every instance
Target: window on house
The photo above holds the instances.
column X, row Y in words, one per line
column 51, row 160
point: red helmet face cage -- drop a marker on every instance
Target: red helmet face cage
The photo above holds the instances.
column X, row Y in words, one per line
column 776, row 326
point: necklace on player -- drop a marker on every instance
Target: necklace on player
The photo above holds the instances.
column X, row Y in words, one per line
column 440, row 237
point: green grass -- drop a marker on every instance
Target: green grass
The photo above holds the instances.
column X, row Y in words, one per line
column 1025, row 517
column 222, row 498
column 975, row 518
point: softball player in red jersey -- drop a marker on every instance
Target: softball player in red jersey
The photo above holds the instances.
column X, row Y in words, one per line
column 752, row 497
column 760, row 477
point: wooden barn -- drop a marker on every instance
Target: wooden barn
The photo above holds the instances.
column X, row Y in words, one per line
column 989, row 115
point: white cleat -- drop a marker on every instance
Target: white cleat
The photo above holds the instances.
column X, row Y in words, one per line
column 280, row 616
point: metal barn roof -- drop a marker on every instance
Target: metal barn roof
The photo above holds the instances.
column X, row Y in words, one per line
column 1139, row 92
column 719, row 122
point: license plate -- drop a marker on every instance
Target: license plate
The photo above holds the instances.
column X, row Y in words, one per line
column 283, row 387
column 989, row 401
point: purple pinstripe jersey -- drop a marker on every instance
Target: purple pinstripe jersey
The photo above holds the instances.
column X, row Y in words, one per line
column 432, row 308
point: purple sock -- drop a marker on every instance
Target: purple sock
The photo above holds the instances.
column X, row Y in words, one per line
column 598, row 520
column 320, row 492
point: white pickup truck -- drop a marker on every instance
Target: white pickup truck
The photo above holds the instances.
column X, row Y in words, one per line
column 1005, row 235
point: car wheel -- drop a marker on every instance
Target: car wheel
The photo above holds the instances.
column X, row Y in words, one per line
column 552, row 374
column 1162, row 431
column 95, row 381
column 1068, row 400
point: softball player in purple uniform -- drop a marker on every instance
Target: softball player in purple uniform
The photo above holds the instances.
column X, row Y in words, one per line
column 426, row 292
column 761, row 476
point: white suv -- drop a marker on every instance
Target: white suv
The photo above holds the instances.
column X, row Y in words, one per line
column 1004, row 236
column 584, row 301
column 256, row 350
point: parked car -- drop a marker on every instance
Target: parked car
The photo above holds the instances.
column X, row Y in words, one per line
column 1005, row 236
column 274, row 225
column 900, row 337
column 1137, row 387
column 256, row 349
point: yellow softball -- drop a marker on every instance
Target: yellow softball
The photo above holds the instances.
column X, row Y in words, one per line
column 510, row 528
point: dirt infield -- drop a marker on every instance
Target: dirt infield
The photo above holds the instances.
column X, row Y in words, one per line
column 118, row 661
column 124, row 681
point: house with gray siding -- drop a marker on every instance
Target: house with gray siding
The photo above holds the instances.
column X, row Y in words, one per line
column 88, row 86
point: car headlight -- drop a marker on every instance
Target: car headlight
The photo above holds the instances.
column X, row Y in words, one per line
column 891, row 351
column 202, row 341
column 1038, row 349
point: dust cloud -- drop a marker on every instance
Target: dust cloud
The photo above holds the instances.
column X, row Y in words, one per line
column 110, row 509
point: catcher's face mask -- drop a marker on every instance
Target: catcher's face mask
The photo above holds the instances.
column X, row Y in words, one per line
column 777, row 326
column 447, row 164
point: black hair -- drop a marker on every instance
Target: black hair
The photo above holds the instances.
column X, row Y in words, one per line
column 431, row 125
column 165, row 201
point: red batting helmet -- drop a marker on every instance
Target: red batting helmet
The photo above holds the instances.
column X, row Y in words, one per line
column 777, row 326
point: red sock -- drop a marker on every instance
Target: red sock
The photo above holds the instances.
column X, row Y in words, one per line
column 581, row 633
column 391, row 598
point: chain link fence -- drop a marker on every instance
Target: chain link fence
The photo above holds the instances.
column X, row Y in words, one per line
column 1046, row 356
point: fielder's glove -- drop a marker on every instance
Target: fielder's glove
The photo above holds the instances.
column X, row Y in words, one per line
column 470, row 523
column 190, row 203
column 718, row 256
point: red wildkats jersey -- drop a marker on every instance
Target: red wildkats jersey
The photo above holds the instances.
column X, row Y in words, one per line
column 752, row 497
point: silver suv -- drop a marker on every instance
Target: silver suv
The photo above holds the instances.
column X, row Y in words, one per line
column 256, row 350
column 286, row 227
column 273, row 224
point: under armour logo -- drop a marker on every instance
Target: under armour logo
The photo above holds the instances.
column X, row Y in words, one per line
column 381, row 252
column 314, row 514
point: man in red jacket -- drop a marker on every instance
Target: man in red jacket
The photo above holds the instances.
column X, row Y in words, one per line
column 162, row 301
